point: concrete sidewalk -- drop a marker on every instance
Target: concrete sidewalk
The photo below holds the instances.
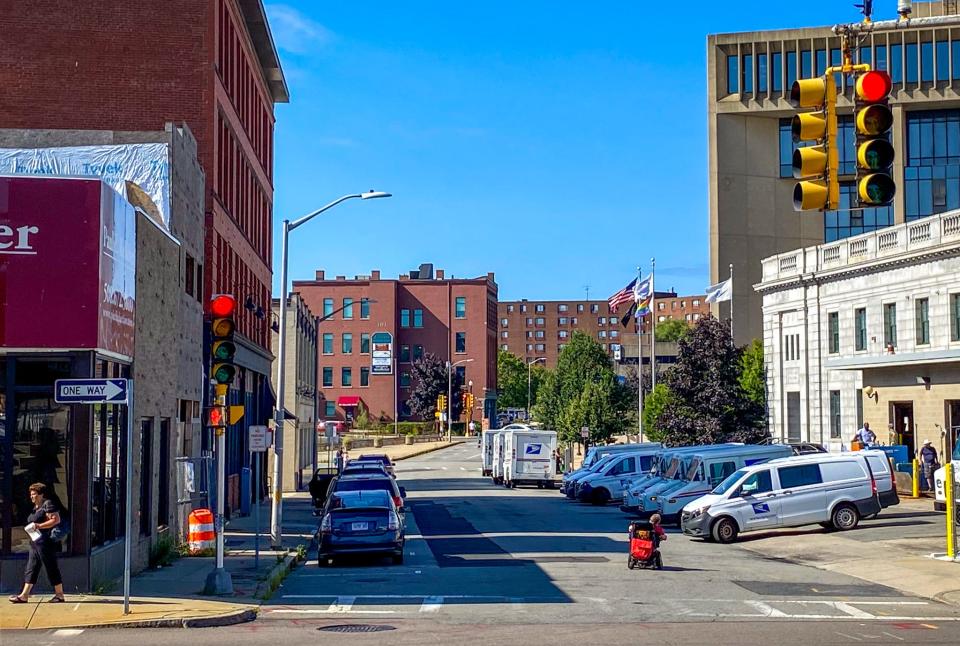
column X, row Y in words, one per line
column 401, row 451
column 895, row 550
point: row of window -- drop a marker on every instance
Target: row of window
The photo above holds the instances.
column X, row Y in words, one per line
column 921, row 312
column 541, row 347
column 346, row 310
column 346, row 345
column 909, row 61
column 540, row 308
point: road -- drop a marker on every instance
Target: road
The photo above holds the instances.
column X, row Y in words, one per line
column 485, row 565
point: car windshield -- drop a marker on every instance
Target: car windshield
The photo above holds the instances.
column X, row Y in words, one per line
column 673, row 468
column 602, row 462
column 360, row 500
column 591, row 458
column 694, row 472
column 371, row 484
column 730, row 482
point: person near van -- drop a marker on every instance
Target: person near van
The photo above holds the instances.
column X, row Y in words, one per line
column 338, row 460
column 865, row 436
column 929, row 462
column 655, row 520
column 43, row 548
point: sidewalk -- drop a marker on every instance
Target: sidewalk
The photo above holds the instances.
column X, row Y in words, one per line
column 895, row 550
column 401, row 451
column 172, row 596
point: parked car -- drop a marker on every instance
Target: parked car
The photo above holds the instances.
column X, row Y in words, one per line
column 360, row 522
column 380, row 458
column 354, row 467
column 369, row 482
column 608, row 483
column 834, row 490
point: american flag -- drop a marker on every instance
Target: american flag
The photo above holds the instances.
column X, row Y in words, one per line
column 625, row 295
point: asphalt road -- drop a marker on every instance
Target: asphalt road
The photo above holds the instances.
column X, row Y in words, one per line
column 487, row 565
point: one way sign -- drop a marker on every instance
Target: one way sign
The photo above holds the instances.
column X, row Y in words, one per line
column 91, row 391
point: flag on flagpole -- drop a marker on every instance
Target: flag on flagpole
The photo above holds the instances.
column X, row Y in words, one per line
column 625, row 295
column 628, row 316
column 643, row 296
column 722, row 291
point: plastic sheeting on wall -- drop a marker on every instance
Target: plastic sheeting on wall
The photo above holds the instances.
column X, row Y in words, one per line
column 147, row 165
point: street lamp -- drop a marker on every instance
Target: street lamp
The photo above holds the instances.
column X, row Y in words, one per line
column 529, row 364
column 450, row 367
column 276, row 509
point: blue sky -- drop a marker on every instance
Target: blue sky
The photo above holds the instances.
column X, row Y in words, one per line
column 522, row 138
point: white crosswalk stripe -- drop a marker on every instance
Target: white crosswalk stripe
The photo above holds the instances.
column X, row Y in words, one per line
column 431, row 604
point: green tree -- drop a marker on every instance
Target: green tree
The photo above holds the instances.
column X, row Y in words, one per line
column 708, row 405
column 363, row 418
column 671, row 330
column 753, row 376
column 653, row 406
column 512, row 381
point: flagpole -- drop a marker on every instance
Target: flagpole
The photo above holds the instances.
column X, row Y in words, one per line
column 638, row 327
column 732, row 339
column 653, row 325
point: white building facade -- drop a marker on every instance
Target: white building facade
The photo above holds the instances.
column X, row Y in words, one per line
column 866, row 329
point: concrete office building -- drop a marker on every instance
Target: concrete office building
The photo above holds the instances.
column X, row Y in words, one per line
column 866, row 329
column 749, row 76
column 424, row 312
column 530, row 329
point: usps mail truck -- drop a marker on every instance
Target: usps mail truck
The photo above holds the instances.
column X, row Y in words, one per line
column 528, row 458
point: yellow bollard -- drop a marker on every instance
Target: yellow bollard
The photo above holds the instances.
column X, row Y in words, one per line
column 951, row 510
column 916, row 478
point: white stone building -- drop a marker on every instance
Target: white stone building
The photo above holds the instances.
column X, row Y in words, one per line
column 866, row 329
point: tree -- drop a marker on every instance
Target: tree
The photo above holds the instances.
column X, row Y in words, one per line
column 512, row 381
column 708, row 404
column 671, row 330
column 363, row 417
column 653, row 406
column 753, row 376
column 428, row 377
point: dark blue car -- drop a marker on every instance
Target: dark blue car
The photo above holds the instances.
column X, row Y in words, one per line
column 361, row 522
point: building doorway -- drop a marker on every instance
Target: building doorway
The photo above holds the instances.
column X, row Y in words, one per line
column 952, row 434
column 901, row 422
column 793, row 417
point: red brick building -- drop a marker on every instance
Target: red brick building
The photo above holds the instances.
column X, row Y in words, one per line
column 453, row 318
column 532, row 329
column 120, row 66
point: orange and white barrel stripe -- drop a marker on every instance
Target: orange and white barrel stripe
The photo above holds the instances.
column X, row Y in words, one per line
column 201, row 532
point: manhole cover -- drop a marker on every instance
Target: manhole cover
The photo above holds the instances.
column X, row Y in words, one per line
column 356, row 628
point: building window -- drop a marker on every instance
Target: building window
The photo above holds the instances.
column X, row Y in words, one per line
column 461, row 342
column 955, row 317
column 417, row 352
column 327, row 307
column 834, row 414
column 540, row 334
column 932, row 172
column 860, row 314
column 461, row 307
column 504, row 322
column 364, row 308
column 562, row 334
column 761, row 73
column 833, row 334
column 696, row 302
column 540, row 347
column 364, row 343
column 540, row 309
column 579, row 307
column 529, row 321
column 922, row 306
column 747, row 74
column 523, row 309
column 529, row 334
column 146, row 483
column 896, row 63
column 346, row 343
column 776, row 72
column 574, row 321
column 504, row 335
column 188, row 276
column 661, row 305
column 594, row 308
column 612, row 320
column 541, row 321
column 346, row 377
column 330, row 409
column 405, row 353
column 529, row 347
column 404, row 318
column 509, row 309
column 614, row 334
column 806, row 64
column 417, row 318
column 791, row 69
column 602, row 334
column 347, row 308
column 911, row 63
column 364, row 376
column 504, row 347
column 562, row 320
column 602, row 320
column 328, row 343
column 850, row 221
column 404, row 379
column 328, row 377
column 561, row 308
column 890, row 324
column 733, row 75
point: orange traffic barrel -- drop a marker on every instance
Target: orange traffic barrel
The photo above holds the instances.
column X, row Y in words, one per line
column 201, row 534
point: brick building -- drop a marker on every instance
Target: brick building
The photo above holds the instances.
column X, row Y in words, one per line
column 453, row 318
column 532, row 329
column 209, row 63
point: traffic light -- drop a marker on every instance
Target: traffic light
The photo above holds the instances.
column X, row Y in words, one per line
column 875, row 154
column 816, row 166
column 222, row 348
column 218, row 415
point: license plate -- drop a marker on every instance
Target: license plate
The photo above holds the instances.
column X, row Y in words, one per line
column 358, row 527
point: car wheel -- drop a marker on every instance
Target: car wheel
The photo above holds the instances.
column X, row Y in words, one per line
column 539, row 485
column 600, row 497
column 845, row 517
column 323, row 561
column 725, row 530
column 551, row 485
column 398, row 559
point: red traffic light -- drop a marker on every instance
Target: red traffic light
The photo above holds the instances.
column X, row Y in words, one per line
column 223, row 305
column 873, row 86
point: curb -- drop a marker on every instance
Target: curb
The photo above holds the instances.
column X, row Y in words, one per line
column 264, row 591
column 425, row 451
column 226, row 619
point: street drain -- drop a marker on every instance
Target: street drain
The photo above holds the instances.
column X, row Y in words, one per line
column 356, row 628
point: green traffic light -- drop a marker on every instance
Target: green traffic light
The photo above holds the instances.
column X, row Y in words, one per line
column 876, row 189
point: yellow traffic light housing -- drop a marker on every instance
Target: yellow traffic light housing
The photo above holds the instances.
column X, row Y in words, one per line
column 875, row 154
column 816, row 166
column 222, row 347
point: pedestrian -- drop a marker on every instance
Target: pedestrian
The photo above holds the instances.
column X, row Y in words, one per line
column 338, row 460
column 928, row 459
column 43, row 548
column 657, row 527
column 558, row 459
column 866, row 437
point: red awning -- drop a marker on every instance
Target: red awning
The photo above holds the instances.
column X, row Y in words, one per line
column 346, row 401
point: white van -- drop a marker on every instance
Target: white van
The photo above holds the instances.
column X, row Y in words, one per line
column 486, row 452
column 832, row 490
column 597, row 453
column 608, row 483
column 496, row 466
column 528, row 458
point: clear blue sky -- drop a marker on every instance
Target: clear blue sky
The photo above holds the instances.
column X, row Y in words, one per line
column 522, row 138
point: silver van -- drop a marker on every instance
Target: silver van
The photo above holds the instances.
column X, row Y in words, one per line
column 834, row 490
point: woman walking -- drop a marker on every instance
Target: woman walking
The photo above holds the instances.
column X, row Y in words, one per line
column 43, row 549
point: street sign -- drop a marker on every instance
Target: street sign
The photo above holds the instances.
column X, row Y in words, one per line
column 91, row 391
column 259, row 439
column 585, row 431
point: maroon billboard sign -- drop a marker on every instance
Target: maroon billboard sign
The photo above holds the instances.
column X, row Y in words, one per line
column 67, row 266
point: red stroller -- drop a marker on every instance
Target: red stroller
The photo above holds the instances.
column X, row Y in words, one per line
column 644, row 546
